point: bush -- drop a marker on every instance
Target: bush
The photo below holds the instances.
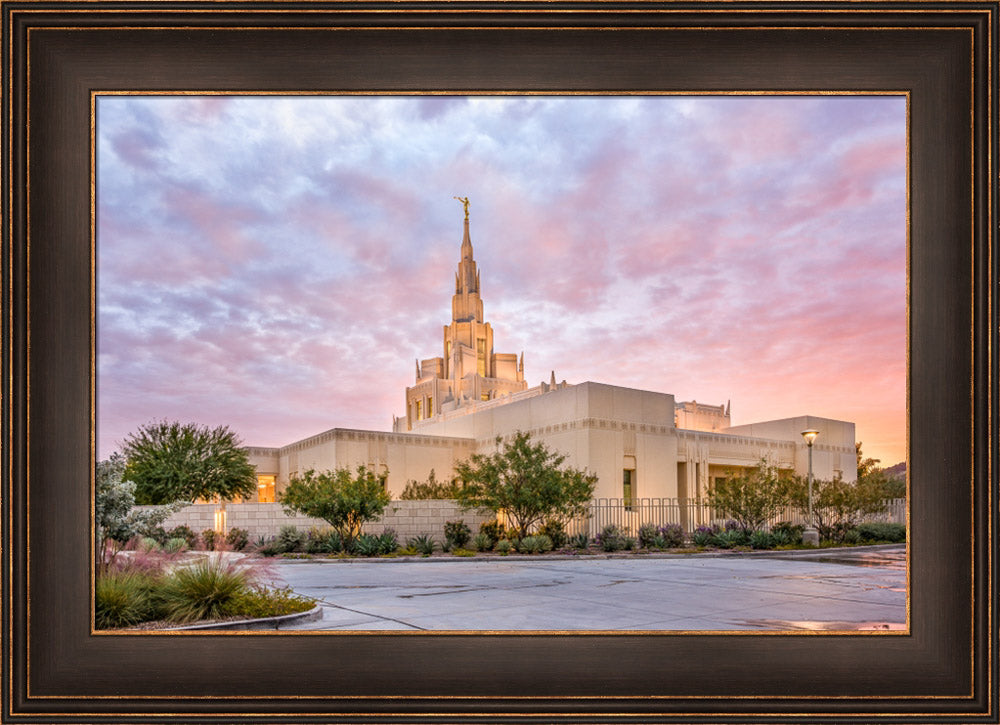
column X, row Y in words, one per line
column 316, row 539
column 892, row 533
column 342, row 499
column 556, row 533
column 492, row 528
column 387, row 542
column 432, row 489
column 751, row 496
column 456, row 534
column 611, row 538
column 186, row 533
column 786, row 532
column 704, row 535
column 257, row 602
column 237, row 539
column 422, row 544
column 852, row 536
column 124, row 598
column 535, row 544
column 762, row 540
column 504, row 547
column 176, row 545
column 580, row 541
column 367, row 545
column 661, row 537
column 208, row 539
column 202, row 591
column 482, row 542
column 728, row 538
column 290, row 539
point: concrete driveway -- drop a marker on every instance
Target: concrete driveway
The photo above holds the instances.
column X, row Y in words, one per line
column 829, row 590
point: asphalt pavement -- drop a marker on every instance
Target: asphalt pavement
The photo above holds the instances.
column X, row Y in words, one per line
column 829, row 590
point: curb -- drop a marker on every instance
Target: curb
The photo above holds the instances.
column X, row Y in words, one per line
column 708, row 553
column 256, row 624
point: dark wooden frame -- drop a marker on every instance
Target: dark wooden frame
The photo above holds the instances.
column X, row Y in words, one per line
column 56, row 54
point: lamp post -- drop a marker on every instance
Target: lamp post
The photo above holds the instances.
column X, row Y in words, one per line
column 810, row 535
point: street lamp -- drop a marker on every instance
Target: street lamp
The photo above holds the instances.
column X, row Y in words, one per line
column 810, row 535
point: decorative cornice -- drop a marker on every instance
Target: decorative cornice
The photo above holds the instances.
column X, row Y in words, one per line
column 350, row 434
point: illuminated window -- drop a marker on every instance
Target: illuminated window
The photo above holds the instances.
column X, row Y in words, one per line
column 484, row 396
column 419, row 410
column 481, row 357
column 265, row 489
column 628, row 488
column 430, row 406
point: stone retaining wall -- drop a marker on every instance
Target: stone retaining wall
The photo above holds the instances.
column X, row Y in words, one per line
column 408, row 518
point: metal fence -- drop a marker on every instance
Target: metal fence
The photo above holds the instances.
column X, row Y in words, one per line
column 689, row 513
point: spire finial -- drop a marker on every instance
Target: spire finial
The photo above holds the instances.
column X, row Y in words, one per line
column 465, row 204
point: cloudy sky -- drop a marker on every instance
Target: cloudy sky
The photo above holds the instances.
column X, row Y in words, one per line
column 277, row 264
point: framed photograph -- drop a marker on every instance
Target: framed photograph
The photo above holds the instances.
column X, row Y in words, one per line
column 60, row 60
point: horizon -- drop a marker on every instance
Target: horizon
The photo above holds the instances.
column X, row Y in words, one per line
column 276, row 264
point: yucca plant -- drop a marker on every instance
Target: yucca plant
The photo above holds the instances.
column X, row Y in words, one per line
column 387, row 542
column 762, row 540
column 482, row 542
column 580, row 541
column 422, row 544
column 367, row 545
column 202, row 591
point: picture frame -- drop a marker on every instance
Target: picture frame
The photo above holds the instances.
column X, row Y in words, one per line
column 57, row 57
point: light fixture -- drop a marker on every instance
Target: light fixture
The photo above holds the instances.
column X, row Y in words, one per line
column 810, row 535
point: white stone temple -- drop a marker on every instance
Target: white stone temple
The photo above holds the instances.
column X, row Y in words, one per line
column 639, row 443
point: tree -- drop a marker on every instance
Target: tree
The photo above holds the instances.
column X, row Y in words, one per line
column 115, row 518
column 839, row 506
column 524, row 481
column 751, row 497
column 430, row 489
column 184, row 462
column 343, row 500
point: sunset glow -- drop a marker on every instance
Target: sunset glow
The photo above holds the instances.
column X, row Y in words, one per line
column 277, row 264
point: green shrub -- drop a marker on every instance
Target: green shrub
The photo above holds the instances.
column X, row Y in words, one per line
column 290, row 539
column 208, row 538
column 148, row 543
column 367, row 545
column 124, row 598
column 202, row 591
column 728, row 538
column 175, row 545
column 492, row 528
column 704, row 535
column 556, row 533
column 504, row 547
column 482, row 542
column 237, row 539
column 387, row 542
column 892, row 533
column 851, row 536
column 459, row 551
column 422, row 544
column 762, row 540
column 186, row 533
column 630, row 543
column 580, row 541
column 535, row 544
column 432, row 489
column 267, row 546
column 257, row 602
column 611, row 538
column 661, row 537
column 648, row 534
column 456, row 534
column 787, row 532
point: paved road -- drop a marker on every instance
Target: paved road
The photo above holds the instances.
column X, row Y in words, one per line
column 822, row 590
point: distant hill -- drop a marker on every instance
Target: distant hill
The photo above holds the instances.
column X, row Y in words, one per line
column 897, row 471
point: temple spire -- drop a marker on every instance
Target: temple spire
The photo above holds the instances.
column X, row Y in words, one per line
column 466, row 240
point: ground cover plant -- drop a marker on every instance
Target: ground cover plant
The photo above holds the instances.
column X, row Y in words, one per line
column 153, row 585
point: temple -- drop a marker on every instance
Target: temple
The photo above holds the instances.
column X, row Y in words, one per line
column 639, row 443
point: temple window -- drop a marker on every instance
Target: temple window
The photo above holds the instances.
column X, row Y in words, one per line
column 628, row 488
column 265, row 489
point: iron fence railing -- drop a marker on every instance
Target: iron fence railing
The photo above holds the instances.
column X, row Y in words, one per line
column 688, row 513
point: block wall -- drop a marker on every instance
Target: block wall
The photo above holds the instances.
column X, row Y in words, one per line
column 408, row 518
